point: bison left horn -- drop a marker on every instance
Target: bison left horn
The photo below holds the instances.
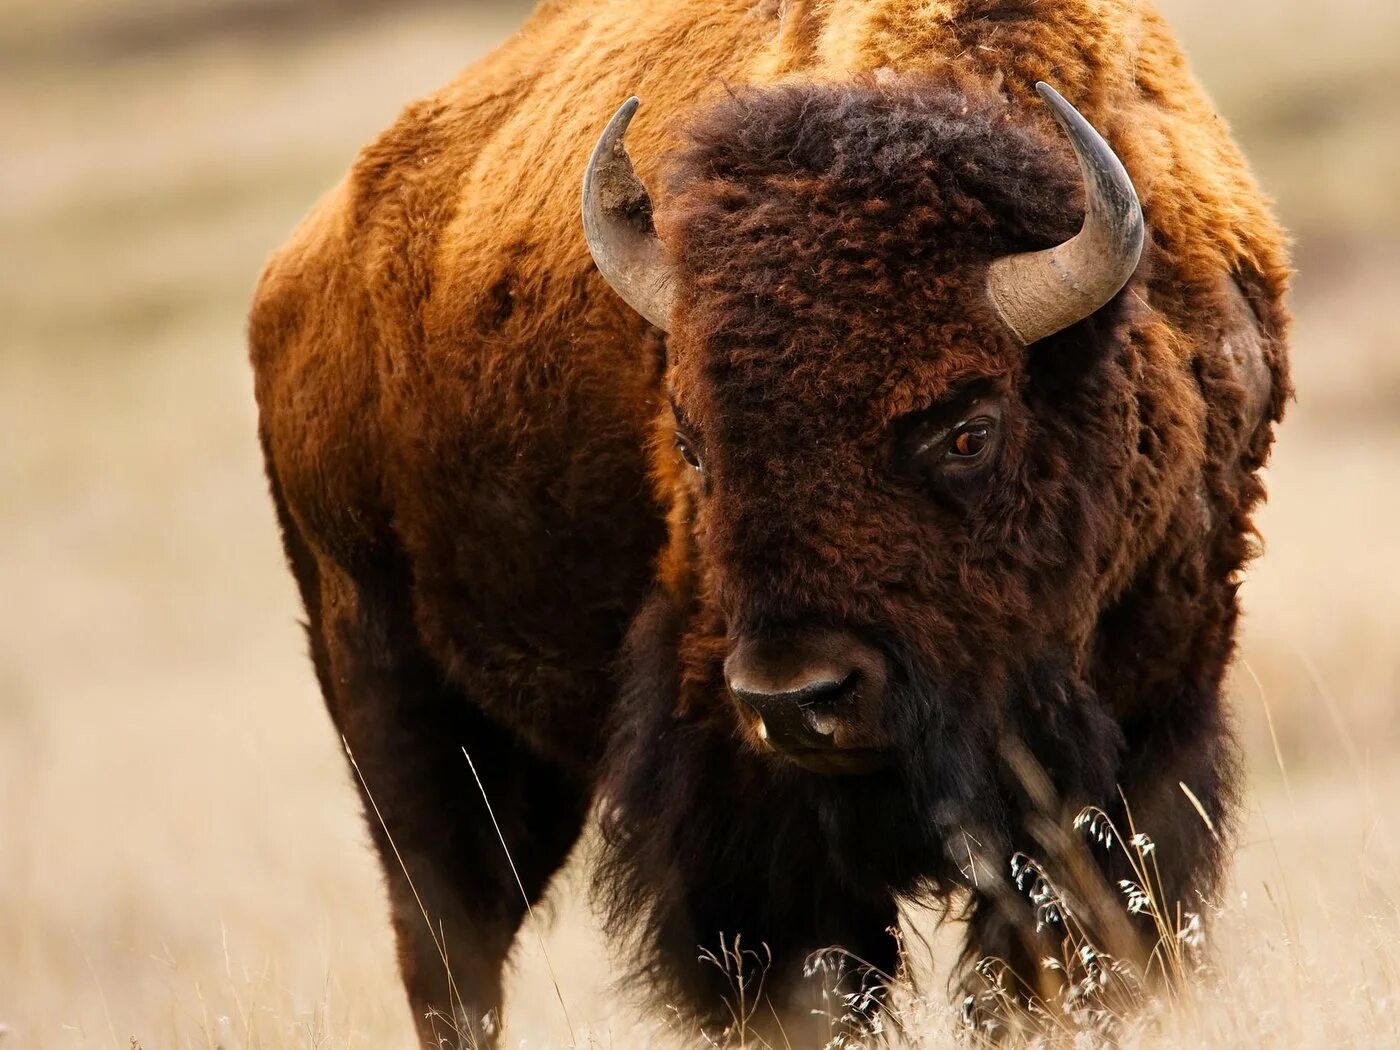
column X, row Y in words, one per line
column 1039, row 293
column 618, row 225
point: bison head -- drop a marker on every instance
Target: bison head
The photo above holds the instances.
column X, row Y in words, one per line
column 919, row 445
column 952, row 481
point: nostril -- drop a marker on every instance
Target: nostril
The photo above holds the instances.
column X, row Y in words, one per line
column 821, row 693
column 825, row 693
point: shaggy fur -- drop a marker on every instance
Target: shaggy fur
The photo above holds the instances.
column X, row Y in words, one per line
column 468, row 439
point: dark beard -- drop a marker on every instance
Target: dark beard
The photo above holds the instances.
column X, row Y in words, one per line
column 690, row 814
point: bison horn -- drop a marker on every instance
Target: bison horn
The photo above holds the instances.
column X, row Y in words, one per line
column 1039, row 293
column 618, row 226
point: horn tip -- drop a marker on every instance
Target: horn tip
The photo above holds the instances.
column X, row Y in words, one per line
column 617, row 126
column 622, row 119
column 627, row 111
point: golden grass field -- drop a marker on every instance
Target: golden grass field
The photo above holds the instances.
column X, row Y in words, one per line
column 182, row 863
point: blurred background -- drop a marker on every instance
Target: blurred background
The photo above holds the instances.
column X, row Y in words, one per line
column 181, row 858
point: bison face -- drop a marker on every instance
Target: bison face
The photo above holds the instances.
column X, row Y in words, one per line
column 912, row 444
column 840, row 540
column 881, row 532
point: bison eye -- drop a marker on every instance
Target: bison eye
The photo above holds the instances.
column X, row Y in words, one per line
column 687, row 452
column 970, row 440
column 951, row 445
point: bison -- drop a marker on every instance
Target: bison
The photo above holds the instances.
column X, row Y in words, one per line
column 814, row 517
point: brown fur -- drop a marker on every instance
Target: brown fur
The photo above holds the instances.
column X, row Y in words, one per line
column 468, row 442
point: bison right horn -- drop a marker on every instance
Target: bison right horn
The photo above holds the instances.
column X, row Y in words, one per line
column 618, row 226
column 1039, row 293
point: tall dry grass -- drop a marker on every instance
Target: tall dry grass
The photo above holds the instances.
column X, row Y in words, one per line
column 181, row 860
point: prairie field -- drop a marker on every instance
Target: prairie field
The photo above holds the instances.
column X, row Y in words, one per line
column 182, row 861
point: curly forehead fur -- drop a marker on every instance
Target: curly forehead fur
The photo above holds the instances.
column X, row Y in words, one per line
column 846, row 216
column 912, row 171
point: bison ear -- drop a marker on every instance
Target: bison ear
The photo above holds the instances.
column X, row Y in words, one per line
column 617, row 223
column 1040, row 293
column 1244, row 345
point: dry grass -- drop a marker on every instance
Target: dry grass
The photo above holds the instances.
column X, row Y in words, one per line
column 180, row 857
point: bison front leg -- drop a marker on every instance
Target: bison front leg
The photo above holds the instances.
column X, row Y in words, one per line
column 725, row 883
column 1108, row 883
column 1180, row 792
column 800, row 966
column 454, row 900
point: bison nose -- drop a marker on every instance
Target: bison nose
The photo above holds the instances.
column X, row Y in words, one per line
column 794, row 719
column 804, row 690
